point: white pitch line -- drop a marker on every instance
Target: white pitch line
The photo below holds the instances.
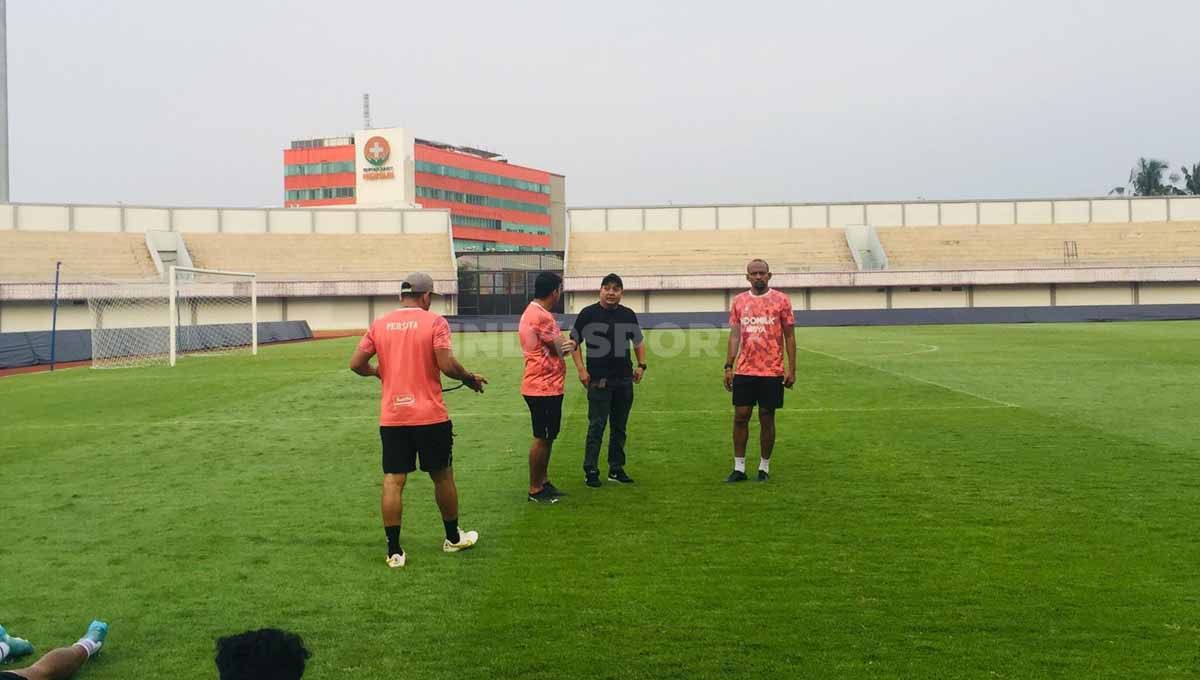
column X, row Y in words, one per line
column 912, row 377
column 927, row 349
column 453, row 416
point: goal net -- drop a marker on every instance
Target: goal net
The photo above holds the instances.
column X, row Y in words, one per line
column 194, row 312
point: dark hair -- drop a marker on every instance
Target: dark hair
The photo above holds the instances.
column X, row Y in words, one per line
column 612, row 278
column 266, row 654
column 545, row 284
column 409, row 295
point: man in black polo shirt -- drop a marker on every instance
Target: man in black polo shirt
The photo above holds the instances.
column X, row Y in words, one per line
column 608, row 328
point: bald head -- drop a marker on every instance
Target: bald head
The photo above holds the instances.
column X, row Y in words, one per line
column 757, row 263
column 758, row 274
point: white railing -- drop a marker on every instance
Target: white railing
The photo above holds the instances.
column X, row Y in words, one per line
column 227, row 220
column 884, row 214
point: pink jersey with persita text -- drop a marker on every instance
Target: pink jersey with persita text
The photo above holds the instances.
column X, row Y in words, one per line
column 544, row 369
column 404, row 341
column 761, row 320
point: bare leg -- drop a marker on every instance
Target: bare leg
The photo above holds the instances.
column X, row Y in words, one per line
column 56, row 664
column 391, row 504
column 766, row 433
column 741, row 429
column 539, row 463
column 445, row 492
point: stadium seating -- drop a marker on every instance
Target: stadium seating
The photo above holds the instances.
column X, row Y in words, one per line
column 323, row 256
column 30, row 256
column 1041, row 245
column 707, row 252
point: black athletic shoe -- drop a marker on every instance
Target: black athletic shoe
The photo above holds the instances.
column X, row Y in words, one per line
column 763, row 476
column 735, row 476
column 543, row 496
column 554, row 490
column 592, row 478
column 619, row 475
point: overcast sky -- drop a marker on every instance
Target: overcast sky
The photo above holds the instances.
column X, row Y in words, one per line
column 192, row 103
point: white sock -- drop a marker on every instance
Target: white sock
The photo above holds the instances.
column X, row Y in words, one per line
column 764, row 464
column 89, row 646
column 4, row 649
column 739, row 464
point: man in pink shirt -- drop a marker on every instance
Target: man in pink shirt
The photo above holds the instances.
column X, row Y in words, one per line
column 761, row 326
column 544, row 346
column 413, row 346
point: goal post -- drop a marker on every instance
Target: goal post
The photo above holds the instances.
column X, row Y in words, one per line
column 211, row 311
column 193, row 312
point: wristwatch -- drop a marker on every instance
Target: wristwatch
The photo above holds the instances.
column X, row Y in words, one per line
column 728, row 366
column 642, row 366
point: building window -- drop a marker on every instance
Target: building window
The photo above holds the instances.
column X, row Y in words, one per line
column 318, row 168
column 482, row 177
column 475, row 222
column 319, row 194
column 475, row 199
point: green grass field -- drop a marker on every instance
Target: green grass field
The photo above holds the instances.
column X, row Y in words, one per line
column 1018, row 501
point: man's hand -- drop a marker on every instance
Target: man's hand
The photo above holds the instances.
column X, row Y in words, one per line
column 476, row 382
column 360, row 363
column 585, row 378
column 729, row 380
column 637, row 374
column 790, row 379
column 566, row 346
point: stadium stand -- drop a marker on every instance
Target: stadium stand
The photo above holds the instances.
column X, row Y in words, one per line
column 283, row 257
column 707, row 252
column 30, row 256
column 1041, row 245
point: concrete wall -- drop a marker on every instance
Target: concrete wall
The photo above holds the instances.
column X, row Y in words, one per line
column 326, row 314
column 110, row 218
column 1073, row 294
column 558, row 212
column 1168, row 294
column 913, row 214
column 18, row 316
column 1012, row 296
column 685, row 300
column 848, row 298
column 927, row 297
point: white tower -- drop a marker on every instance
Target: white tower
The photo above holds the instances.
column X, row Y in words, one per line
column 3, row 101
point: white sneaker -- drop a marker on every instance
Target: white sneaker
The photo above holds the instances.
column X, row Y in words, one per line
column 397, row 561
column 466, row 539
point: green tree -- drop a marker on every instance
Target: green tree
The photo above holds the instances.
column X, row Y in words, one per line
column 1191, row 180
column 1146, row 178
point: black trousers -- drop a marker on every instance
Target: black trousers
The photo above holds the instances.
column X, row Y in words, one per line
column 608, row 405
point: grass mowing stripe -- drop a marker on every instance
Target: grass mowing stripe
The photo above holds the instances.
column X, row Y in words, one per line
column 911, row 377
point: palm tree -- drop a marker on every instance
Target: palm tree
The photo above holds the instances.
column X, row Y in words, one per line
column 1146, row 178
column 1191, row 180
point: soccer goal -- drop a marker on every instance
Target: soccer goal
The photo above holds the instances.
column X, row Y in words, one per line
column 195, row 312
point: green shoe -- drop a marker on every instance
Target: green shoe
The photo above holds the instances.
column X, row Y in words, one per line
column 16, row 646
column 97, row 631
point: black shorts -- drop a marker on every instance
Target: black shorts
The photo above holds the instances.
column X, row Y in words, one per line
column 404, row 444
column 546, row 414
column 6, row 675
column 764, row 391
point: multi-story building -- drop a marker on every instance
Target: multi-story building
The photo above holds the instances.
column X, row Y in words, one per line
column 494, row 205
